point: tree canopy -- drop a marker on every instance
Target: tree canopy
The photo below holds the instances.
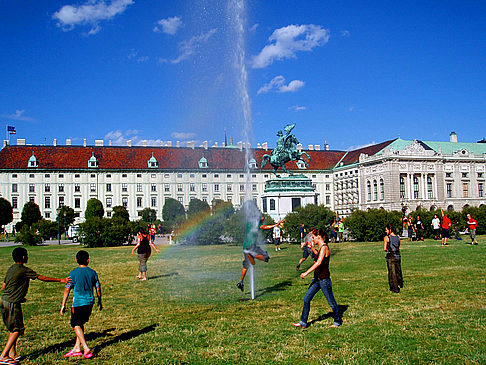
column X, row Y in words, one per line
column 30, row 213
column 120, row 212
column 6, row 212
column 148, row 215
column 94, row 208
column 173, row 211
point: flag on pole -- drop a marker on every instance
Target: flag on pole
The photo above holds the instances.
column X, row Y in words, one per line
column 11, row 130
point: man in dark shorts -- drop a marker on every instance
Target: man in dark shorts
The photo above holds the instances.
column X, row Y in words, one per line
column 84, row 281
column 446, row 227
column 15, row 288
column 306, row 246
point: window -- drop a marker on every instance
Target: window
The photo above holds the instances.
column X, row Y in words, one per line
column 179, row 187
column 430, row 191
column 31, row 176
column 61, row 188
column 14, row 176
column 465, row 190
column 166, row 187
column 480, row 190
column 108, row 176
column 179, row 176
column 92, row 188
column 328, row 199
column 14, row 188
column 153, row 187
column 124, row 175
column 139, row 188
column 228, row 176
column 449, row 190
column 242, row 187
column 415, row 187
column 31, row 188
column 166, row 176
column 76, row 176
column 192, row 187
column 108, row 214
column 153, row 176
column 465, row 175
column 14, row 202
column 375, row 190
column 204, row 176
column 192, row 176
column 382, row 190
column 328, row 187
column 48, row 214
column 47, row 202
column 368, row 185
column 124, row 187
column 47, row 176
column 204, row 187
column 92, row 176
column 47, row 188
column 153, row 202
column 108, row 187
column 229, row 187
column 139, row 201
column 480, row 175
column 242, row 176
column 77, row 202
column 253, row 187
column 448, row 174
column 402, row 187
column 77, row 188
column 61, row 201
column 125, row 202
column 108, row 202
column 253, row 176
column 205, row 199
column 32, row 199
column 139, row 175
column 180, row 199
column 61, row 176
column 216, row 187
column 216, row 176
column 272, row 204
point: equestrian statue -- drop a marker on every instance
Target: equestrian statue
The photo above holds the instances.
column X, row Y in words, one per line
column 285, row 151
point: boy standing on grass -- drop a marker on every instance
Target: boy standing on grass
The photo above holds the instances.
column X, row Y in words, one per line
column 84, row 281
column 15, row 287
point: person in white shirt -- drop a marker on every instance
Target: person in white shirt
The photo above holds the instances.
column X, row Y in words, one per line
column 277, row 233
column 436, row 225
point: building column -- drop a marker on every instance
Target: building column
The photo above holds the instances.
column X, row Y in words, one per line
column 410, row 186
column 424, row 186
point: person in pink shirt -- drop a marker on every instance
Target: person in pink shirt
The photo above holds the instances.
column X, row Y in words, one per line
column 446, row 227
column 473, row 224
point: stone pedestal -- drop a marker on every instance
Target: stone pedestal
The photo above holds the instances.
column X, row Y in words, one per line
column 283, row 195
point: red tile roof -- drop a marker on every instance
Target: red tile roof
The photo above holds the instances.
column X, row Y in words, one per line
column 126, row 158
column 353, row 156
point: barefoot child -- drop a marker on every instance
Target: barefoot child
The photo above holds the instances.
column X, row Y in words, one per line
column 15, row 287
column 84, row 281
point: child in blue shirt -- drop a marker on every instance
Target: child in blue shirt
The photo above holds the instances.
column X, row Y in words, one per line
column 83, row 281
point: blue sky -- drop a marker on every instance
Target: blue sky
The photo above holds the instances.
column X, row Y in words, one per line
column 349, row 72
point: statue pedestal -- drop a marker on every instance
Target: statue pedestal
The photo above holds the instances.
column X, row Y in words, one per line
column 283, row 195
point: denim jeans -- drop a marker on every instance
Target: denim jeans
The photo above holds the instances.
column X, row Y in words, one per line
column 326, row 286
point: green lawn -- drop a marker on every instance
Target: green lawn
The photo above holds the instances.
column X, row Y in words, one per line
column 191, row 312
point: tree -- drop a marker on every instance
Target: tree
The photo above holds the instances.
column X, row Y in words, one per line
column 65, row 217
column 91, row 231
column 197, row 207
column 223, row 208
column 28, row 236
column 173, row 211
column 30, row 213
column 369, row 226
column 47, row 228
column 312, row 215
column 94, row 208
column 6, row 212
column 120, row 212
column 148, row 215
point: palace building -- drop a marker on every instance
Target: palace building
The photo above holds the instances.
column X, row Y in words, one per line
column 391, row 175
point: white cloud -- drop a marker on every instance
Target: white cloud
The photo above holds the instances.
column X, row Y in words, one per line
column 19, row 115
column 351, row 108
column 169, row 26
column 189, row 47
column 183, row 135
column 345, row 33
column 253, row 28
column 286, row 41
column 120, row 138
column 353, row 148
column 298, row 108
column 278, row 84
column 90, row 13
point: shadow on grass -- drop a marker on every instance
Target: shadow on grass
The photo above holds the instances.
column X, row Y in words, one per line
column 277, row 287
column 163, row 276
column 342, row 309
column 93, row 336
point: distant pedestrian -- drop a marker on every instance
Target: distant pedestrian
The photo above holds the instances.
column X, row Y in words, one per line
column 306, row 245
column 446, row 227
column 144, row 242
column 391, row 246
column 419, row 229
column 277, row 235
column 436, row 226
column 6, row 236
column 321, row 281
column 302, row 232
column 410, row 228
column 473, row 225
column 152, row 232
column 84, row 282
column 340, row 229
column 15, row 287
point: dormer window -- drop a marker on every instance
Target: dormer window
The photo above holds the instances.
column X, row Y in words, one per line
column 301, row 165
column 152, row 162
column 93, row 161
column 252, row 164
column 203, row 163
column 33, row 161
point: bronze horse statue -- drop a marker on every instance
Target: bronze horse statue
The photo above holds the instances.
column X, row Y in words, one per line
column 285, row 151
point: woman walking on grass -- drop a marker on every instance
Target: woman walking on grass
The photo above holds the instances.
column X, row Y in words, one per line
column 321, row 281
column 393, row 259
column 143, row 249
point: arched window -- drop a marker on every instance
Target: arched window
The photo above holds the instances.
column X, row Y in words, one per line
column 402, row 187
column 415, row 187
column 382, row 190
column 368, row 185
column 375, row 190
column 430, row 191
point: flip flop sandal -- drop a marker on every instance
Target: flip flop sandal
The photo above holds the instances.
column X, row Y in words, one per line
column 89, row 355
column 73, row 353
column 8, row 361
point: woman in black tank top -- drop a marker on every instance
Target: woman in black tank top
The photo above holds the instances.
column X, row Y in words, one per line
column 391, row 244
column 321, row 281
column 144, row 242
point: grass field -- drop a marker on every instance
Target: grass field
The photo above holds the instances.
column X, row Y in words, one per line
column 191, row 312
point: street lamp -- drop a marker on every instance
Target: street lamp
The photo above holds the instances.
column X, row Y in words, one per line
column 58, row 210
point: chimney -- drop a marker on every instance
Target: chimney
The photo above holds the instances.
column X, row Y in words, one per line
column 178, row 143
column 310, row 147
column 161, row 143
column 54, row 143
column 453, row 137
column 109, row 142
column 129, row 142
column 326, row 146
column 84, row 142
column 299, row 146
column 144, row 143
column 240, row 145
column 20, row 141
column 259, row 146
column 317, row 147
column 265, row 146
column 215, row 144
column 169, row 144
column 205, row 145
column 191, row 144
column 68, row 141
column 5, row 143
column 99, row 142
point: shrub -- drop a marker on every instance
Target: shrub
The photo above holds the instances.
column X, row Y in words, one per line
column 27, row 236
column 312, row 215
column 369, row 226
